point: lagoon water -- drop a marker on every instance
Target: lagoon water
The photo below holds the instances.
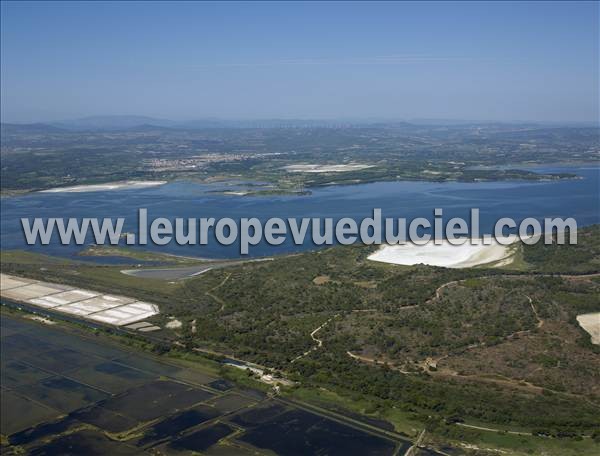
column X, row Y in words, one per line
column 578, row 198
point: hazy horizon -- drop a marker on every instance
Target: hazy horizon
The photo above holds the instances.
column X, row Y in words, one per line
column 349, row 120
column 482, row 62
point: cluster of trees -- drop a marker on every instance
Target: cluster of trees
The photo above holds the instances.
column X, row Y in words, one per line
column 580, row 258
column 449, row 400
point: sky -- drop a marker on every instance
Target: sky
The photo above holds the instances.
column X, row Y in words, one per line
column 504, row 61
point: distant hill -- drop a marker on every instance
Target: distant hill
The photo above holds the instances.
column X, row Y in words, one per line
column 112, row 123
column 149, row 124
column 149, row 128
column 34, row 128
column 143, row 123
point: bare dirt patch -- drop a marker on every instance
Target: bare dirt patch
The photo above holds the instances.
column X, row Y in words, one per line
column 591, row 324
column 321, row 280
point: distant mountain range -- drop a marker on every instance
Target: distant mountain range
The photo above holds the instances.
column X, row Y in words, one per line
column 137, row 122
column 34, row 128
column 112, row 123
column 144, row 123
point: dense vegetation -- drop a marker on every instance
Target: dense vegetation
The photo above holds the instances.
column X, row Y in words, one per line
column 581, row 257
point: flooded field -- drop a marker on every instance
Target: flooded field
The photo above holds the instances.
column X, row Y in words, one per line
column 66, row 392
column 286, row 430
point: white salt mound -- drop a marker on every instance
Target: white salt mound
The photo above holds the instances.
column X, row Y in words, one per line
column 466, row 255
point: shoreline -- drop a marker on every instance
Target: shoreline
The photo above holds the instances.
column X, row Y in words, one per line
column 318, row 168
column 131, row 184
column 121, row 185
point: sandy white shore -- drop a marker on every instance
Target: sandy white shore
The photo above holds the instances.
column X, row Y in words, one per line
column 314, row 168
column 104, row 187
column 465, row 255
column 591, row 324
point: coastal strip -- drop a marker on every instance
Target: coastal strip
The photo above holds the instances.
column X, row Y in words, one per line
column 124, row 185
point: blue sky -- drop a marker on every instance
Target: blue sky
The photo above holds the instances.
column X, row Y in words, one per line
column 471, row 60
